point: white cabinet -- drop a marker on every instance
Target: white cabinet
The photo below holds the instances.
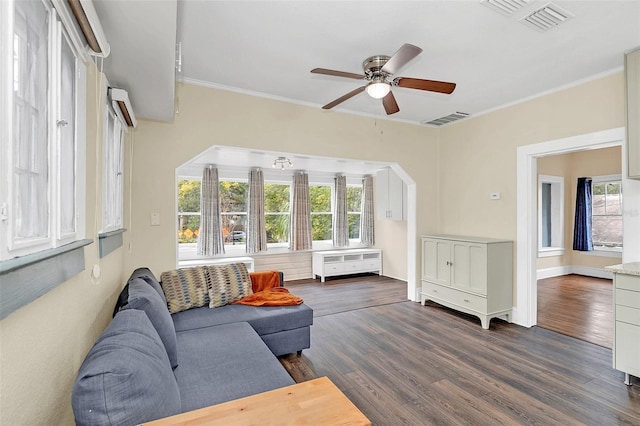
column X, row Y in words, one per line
column 391, row 195
column 469, row 274
column 626, row 340
column 632, row 77
column 343, row 262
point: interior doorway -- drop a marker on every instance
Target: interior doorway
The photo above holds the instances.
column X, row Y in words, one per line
column 525, row 312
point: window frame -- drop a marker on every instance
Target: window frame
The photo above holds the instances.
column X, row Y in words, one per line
column 557, row 246
column 55, row 236
column 112, row 167
column 614, row 178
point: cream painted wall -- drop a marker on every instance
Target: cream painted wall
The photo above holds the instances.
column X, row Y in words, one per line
column 44, row 343
column 214, row 117
column 600, row 162
column 478, row 155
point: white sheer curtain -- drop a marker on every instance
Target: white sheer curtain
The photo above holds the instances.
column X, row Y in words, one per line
column 256, row 231
column 210, row 237
column 31, row 205
column 367, row 234
column 340, row 223
column 300, row 236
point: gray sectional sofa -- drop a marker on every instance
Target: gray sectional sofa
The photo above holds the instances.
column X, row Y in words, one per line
column 150, row 364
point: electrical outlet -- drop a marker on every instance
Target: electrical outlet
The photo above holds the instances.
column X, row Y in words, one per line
column 494, row 196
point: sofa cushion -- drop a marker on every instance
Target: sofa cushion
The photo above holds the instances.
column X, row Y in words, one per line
column 147, row 275
column 142, row 296
column 226, row 362
column 126, row 378
column 227, row 283
column 185, row 288
column 264, row 319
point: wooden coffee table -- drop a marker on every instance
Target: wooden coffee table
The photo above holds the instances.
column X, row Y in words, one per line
column 316, row 402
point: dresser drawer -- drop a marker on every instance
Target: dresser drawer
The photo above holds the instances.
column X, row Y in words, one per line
column 456, row 297
column 371, row 265
column 352, row 266
column 628, row 298
column 333, row 268
column 628, row 282
column 628, row 315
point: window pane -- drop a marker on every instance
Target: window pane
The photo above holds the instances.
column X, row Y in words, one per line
column 277, row 226
column 607, row 231
column 233, row 196
column 320, row 198
column 354, row 198
column 607, row 214
column 276, row 200
column 546, row 215
column 188, row 202
column 598, row 191
column 354, row 225
column 321, row 227
column 30, row 84
column 233, row 208
column 614, row 198
column 67, row 142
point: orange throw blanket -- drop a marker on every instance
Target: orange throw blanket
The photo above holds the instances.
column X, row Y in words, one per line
column 277, row 296
column 267, row 291
column 264, row 280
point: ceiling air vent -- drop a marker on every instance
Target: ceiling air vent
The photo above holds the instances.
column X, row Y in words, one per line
column 547, row 17
column 506, row 7
column 447, row 119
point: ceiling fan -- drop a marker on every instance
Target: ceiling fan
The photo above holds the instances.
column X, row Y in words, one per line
column 378, row 73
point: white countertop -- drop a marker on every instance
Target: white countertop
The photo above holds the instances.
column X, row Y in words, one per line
column 632, row 268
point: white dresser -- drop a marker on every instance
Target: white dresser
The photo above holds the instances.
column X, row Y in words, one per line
column 626, row 332
column 348, row 261
column 469, row 274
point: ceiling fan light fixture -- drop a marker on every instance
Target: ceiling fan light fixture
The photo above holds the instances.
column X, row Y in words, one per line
column 378, row 89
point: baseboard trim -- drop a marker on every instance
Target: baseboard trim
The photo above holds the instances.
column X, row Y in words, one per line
column 573, row 269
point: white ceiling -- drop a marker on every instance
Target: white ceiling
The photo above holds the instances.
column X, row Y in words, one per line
column 267, row 48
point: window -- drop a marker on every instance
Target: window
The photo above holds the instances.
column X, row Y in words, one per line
column 233, row 211
column 188, row 210
column 321, row 216
column 113, row 173
column 550, row 215
column 43, row 200
column 276, row 212
column 354, row 208
column 607, row 212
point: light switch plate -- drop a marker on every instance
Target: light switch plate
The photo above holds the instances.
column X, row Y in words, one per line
column 155, row 219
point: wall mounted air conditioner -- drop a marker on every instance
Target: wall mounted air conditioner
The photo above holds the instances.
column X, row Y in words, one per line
column 88, row 22
column 122, row 106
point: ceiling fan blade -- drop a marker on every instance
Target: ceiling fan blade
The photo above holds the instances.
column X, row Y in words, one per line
column 390, row 104
column 420, row 84
column 399, row 59
column 343, row 98
column 338, row 73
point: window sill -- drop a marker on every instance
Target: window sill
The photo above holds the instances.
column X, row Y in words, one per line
column 26, row 278
column 604, row 252
column 109, row 241
column 550, row 251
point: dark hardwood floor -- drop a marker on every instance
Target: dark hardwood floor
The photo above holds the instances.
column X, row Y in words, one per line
column 578, row 306
column 403, row 363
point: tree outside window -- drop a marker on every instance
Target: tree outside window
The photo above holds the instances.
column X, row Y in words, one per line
column 276, row 208
column 320, row 198
column 233, row 211
column 188, row 210
column 354, row 205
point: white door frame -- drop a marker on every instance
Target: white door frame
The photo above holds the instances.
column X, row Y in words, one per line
column 525, row 311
